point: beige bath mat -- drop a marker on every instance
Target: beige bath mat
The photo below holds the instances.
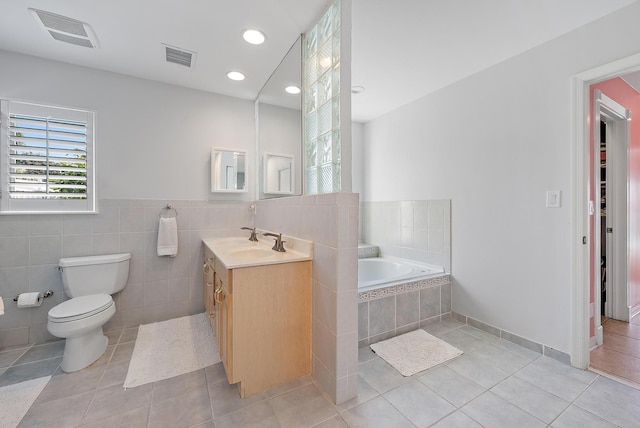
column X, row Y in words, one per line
column 415, row 351
column 171, row 348
column 16, row 399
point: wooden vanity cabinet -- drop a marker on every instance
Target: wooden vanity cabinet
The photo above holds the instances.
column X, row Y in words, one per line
column 263, row 323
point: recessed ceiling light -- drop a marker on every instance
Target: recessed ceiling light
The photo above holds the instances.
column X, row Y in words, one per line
column 357, row 89
column 254, row 37
column 235, row 75
column 293, row 90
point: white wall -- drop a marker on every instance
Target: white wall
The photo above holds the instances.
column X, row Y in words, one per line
column 153, row 140
column 357, row 150
column 493, row 143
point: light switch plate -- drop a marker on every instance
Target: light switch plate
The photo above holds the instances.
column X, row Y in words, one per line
column 553, row 199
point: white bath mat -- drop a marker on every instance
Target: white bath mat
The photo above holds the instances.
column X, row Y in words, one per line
column 16, row 399
column 171, row 348
column 414, row 352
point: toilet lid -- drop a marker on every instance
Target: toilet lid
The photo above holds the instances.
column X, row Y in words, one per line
column 80, row 307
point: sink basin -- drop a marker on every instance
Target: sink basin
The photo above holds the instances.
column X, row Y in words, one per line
column 238, row 252
column 253, row 253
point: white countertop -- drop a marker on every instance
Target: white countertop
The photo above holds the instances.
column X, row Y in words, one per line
column 238, row 252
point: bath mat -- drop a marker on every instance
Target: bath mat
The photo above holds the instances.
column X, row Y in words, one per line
column 16, row 399
column 171, row 348
column 415, row 351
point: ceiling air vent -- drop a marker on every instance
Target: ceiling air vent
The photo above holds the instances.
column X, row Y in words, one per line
column 179, row 56
column 66, row 29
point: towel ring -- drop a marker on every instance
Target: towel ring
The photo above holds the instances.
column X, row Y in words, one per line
column 167, row 210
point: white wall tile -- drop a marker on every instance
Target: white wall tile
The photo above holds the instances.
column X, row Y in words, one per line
column 14, row 226
column 325, row 306
column 108, row 221
column 14, row 281
column 42, row 225
column 45, row 277
column 45, row 250
column 76, row 245
column 132, row 219
column 106, row 243
column 416, row 230
column 14, row 251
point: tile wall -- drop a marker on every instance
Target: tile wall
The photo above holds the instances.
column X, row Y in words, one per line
column 331, row 222
column 391, row 311
column 415, row 230
column 159, row 288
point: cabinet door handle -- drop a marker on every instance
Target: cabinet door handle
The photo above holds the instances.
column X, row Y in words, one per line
column 205, row 268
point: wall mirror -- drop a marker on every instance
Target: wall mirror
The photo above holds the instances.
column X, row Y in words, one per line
column 279, row 127
column 278, row 174
column 228, row 170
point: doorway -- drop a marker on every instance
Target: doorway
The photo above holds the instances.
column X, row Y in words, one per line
column 586, row 272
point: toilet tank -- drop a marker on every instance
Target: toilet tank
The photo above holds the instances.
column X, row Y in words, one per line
column 94, row 274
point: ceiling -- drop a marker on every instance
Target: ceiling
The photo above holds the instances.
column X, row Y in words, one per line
column 401, row 49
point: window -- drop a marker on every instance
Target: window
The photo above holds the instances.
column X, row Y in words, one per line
column 46, row 159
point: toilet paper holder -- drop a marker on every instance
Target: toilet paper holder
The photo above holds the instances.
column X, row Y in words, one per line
column 44, row 295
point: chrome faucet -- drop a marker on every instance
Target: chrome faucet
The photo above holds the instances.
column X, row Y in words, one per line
column 279, row 244
column 253, row 236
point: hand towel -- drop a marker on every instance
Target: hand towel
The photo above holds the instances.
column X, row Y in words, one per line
column 168, row 237
column 1, row 306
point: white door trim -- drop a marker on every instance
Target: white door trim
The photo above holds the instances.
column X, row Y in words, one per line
column 581, row 310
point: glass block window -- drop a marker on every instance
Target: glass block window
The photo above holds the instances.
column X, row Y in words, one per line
column 321, row 100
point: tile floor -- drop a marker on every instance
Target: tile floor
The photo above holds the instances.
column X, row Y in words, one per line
column 619, row 354
column 494, row 384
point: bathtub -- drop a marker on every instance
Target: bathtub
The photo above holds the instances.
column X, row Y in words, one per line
column 378, row 272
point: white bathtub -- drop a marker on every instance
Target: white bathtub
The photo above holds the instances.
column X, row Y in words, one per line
column 377, row 272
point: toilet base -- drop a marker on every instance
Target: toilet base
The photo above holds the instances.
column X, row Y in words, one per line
column 79, row 352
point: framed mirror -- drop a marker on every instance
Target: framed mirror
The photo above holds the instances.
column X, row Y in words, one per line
column 278, row 174
column 228, row 170
column 279, row 128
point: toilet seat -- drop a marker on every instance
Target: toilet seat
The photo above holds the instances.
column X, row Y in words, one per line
column 80, row 307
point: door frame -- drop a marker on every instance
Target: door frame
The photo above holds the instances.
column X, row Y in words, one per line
column 581, row 275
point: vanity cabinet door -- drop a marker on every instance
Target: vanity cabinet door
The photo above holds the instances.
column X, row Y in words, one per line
column 208, row 287
column 224, row 328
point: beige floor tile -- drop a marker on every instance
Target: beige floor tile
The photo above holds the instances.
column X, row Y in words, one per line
column 114, row 400
column 305, row 406
column 64, row 413
column 134, row 418
column 376, row 413
column 260, row 415
column 185, row 410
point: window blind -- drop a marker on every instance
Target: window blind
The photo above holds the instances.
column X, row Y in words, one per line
column 47, row 158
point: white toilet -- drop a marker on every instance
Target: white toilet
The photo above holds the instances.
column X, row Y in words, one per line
column 90, row 282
